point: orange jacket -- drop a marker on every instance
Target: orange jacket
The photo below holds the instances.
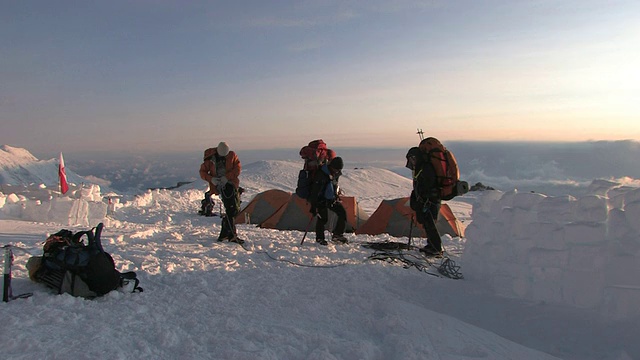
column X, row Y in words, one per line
column 232, row 168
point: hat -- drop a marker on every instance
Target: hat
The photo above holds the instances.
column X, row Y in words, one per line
column 223, row 148
column 337, row 163
column 413, row 152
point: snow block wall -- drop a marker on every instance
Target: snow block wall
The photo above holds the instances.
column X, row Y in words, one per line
column 81, row 205
column 583, row 252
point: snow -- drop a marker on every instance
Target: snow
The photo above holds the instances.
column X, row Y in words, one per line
column 544, row 277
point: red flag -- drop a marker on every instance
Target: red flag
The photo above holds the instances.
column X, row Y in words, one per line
column 64, row 187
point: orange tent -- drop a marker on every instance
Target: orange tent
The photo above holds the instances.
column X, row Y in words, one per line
column 295, row 215
column 262, row 206
column 393, row 217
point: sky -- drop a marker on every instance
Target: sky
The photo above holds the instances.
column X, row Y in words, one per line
column 277, row 299
column 153, row 76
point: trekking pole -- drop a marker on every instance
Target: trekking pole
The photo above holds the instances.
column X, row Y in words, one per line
column 410, row 231
column 307, row 230
column 6, row 288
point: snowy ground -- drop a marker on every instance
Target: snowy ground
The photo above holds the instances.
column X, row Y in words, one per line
column 276, row 299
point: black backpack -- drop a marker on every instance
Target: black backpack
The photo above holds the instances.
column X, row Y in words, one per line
column 69, row 265
column 206, row 206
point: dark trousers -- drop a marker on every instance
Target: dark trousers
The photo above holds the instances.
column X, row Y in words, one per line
column 323, row 217
column 231, row 202
column 427, row 216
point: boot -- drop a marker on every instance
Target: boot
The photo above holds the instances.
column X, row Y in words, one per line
column 339, row 239
column 236, row 239
column 430, row 250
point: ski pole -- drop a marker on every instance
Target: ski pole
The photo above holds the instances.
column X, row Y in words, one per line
column 7, row 293
column 307, row 230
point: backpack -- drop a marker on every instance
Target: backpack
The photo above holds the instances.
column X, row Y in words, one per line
column 206, row 206
column 315, row 155
column 446, row 168
column 68, row 265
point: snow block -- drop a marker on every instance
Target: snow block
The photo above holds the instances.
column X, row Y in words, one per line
column 507, row 199
column 517, row 252
column 632, row 196
column 511, row 287
column 496, row 231
column 485, row 202
column 585, row 233
column 588, row 258
column 549, row 236
column 62, row 211
column 618, row 225
column 583, row 289
column 496, row 253
column 13, row 198
column 592, row 208
column 546, row 284
column 36, row 211
column 632, row 212
column 474, row 233
column 96, row 212
column 520, row 221
column 527, row 201
column 601, row 187
column 557, row 209
column 621, row 302
column 13, row 206
column 626, row 246
column 617, row 196
column 539, row 258
column 623, row 271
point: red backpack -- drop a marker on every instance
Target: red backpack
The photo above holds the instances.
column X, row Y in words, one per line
column 315, row 155
column 446, row 167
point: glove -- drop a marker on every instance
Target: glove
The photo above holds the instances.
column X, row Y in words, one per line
column 223, row 181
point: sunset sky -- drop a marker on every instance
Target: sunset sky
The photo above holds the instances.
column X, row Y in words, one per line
column 166, row 75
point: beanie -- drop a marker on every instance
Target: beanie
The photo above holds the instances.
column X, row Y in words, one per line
column 414, row 152
column 337, row 163
column 223, row 148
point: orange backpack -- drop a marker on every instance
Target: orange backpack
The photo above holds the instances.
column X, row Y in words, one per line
column 446, row 168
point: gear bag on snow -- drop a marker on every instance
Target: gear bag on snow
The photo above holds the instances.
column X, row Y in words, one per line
column 206, row 205
column 446, row 168
column 68, row 265
column 315, row 154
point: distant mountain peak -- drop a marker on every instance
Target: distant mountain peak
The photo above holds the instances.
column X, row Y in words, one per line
column 19, row 167
column 13, row 156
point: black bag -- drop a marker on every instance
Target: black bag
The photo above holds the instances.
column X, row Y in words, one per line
column 303, row 187
column 206, row 205
column 69, row 265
